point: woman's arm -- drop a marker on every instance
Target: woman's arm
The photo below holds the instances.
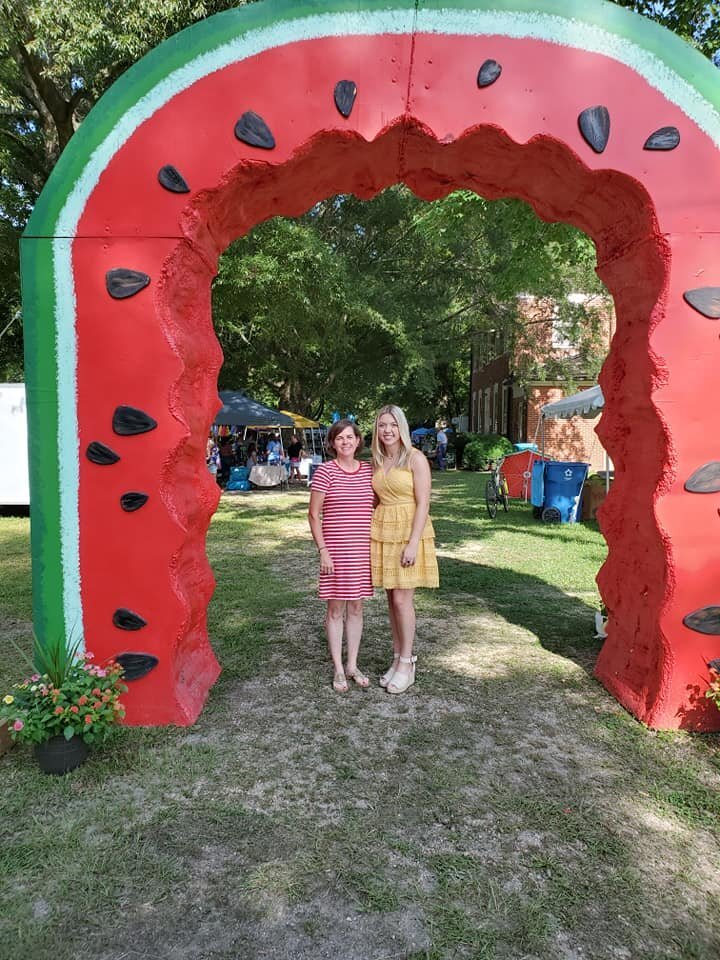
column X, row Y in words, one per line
column 422, row 484
column 317, row 498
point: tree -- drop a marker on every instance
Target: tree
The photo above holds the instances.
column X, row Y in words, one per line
column 358, row 303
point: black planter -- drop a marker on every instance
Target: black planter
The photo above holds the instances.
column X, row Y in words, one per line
column 58, row 755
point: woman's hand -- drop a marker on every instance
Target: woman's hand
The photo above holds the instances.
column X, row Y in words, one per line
column 408, row 555
column 326, row 563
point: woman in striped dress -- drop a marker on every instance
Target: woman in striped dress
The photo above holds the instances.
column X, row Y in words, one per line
column 341, row 509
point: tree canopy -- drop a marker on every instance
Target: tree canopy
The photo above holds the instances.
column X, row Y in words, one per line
column 357, row 301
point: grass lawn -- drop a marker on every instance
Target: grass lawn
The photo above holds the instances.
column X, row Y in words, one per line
column 506, row 807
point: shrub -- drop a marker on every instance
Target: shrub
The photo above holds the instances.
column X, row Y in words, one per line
column 485, row 447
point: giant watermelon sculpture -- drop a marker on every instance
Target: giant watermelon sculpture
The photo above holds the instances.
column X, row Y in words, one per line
column 589, row 113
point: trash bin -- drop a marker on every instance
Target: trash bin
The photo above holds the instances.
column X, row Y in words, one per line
column 537, row 484
column 563, row 486
column 593, row 496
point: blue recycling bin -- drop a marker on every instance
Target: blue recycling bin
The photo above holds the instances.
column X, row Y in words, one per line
column 563, row 487
column 537, row 484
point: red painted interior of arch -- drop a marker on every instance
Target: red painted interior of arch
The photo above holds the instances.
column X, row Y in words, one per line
column 436, row 132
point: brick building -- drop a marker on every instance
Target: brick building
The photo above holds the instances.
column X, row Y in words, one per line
column 504, row 399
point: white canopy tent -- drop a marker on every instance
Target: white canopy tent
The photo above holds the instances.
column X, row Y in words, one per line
column 588, row 403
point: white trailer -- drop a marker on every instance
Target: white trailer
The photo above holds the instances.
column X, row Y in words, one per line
column 14, row 482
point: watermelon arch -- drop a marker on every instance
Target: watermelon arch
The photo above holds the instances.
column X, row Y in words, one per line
column 591, row 114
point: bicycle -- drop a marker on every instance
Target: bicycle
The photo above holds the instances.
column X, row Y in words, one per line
column 496, row 490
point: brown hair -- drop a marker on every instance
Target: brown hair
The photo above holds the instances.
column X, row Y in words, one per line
column 337, row 428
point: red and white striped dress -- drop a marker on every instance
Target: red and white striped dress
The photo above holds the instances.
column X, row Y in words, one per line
column 346, row 516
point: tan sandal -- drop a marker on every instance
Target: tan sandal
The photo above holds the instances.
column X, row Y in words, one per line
column 402, row 681
column 340, row 684
column 359, row 678
column 387, row 676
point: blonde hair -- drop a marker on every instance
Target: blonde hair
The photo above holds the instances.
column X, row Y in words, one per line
column 406, row 447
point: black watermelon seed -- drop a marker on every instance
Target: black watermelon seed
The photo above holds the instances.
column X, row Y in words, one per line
column 136, row 665
column 99, row 453
column 345, row 93
column 122, row 283
column 706, row 300
column 129, row 421
column 171, row 178
column 488, row 73
column 705, row 620
column 594, row 125
column 666, row 138
column 133, row 500
column 127, row 620
column 705, row 479
column 715, row 665
column 253, row 130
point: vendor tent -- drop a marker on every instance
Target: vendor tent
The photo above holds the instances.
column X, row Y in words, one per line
column 588, row 403
column 306, row 425
column 239, row 409
column 302, row 423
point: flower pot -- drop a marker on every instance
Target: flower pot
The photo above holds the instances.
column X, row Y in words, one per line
column 58, row 755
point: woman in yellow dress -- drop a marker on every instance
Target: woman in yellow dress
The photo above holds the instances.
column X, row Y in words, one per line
column 402, row 539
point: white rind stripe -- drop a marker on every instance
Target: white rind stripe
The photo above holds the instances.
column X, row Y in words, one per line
column 68, row 444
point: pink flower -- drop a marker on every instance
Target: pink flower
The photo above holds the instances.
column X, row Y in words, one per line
column 58, row 710
column 88, row 718
column 35, row 677
column 74, row 710
column 89, row 656
column 18, row 725
column 101, row 673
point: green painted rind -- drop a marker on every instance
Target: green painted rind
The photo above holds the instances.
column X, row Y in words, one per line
column 143, row 76
column 42, row 411
column 672, row 50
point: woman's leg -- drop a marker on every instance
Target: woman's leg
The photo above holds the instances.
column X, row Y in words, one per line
column 402, row 604
column 334, row 631
column 353, row 632
column 387, row 676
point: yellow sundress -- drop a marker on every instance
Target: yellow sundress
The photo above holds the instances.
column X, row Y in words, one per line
column 390, row 532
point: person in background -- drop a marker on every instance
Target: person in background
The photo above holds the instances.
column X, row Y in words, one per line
column 295, row 449
column 227, row 457
column 402, row 539
column 252, row 457
column 442, row 444
column 341, row 509
column 274, row 450
column 212, row 457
